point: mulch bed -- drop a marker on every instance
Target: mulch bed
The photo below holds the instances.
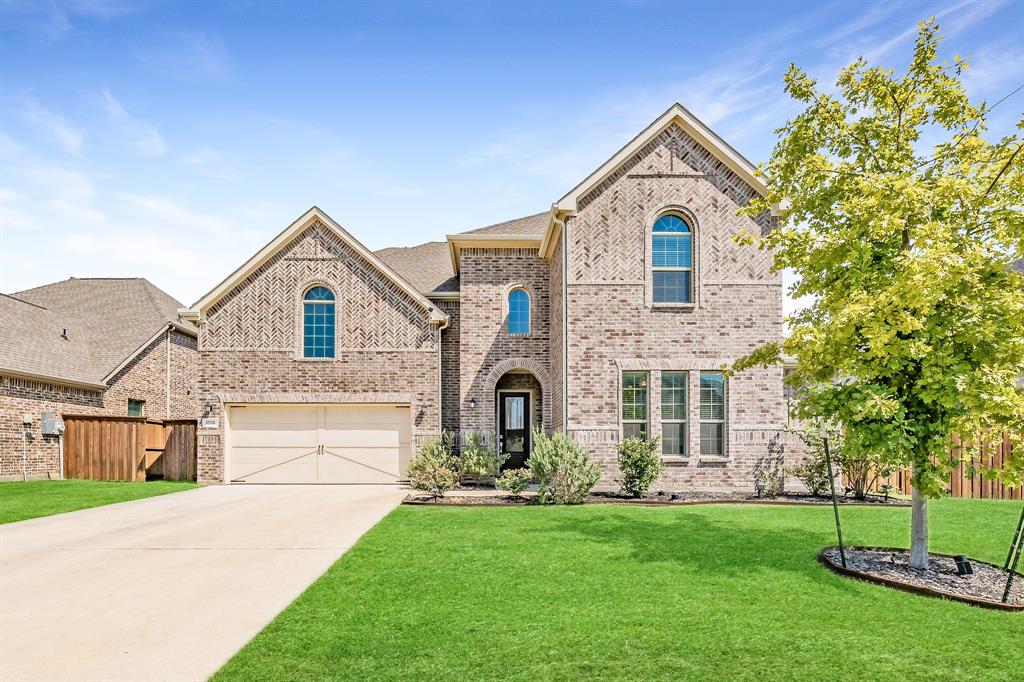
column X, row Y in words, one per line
column 891, row 567
column 660, row 498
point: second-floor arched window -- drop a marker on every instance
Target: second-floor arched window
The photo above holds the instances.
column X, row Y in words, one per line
column 672, row 260
column 318, row 323
column 518, row 312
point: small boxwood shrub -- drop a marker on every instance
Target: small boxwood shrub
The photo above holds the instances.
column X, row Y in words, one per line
column 812, row 471
column 640, row 464
column 434, row 469
column 562, row 469
column 515, row 481
column 479, row 461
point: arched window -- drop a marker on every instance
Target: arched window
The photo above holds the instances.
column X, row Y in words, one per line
column 318, row 323
column 672, row 260
column 518, row 312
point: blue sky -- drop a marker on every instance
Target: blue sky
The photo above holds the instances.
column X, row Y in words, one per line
column 171, row 141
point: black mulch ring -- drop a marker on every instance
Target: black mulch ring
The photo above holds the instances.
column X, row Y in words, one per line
column 658, row 498
column 891, row 567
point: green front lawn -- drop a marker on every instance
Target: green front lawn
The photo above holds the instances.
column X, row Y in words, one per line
column 27, row 500
column 615, row 592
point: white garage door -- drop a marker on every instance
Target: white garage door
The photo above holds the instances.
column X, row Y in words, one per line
column 317, row 443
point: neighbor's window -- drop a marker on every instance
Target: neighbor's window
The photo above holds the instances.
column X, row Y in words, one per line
column 673, row 413
column 318, row 323
column 518, row 312
column 712, row 413
column 672, row 260
column 634, row 404
column 136, row 408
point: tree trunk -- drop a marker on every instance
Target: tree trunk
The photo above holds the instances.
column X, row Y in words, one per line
column 918, row 530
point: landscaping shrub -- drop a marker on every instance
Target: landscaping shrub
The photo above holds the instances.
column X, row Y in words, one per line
column 859, row 469
column 479, row 461
column 770, row 477
column 515, row 481
column 813, row 473
column 640, row 464
column 434, row 469
column 562, row 469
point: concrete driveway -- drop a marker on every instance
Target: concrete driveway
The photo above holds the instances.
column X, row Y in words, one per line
column 167, row 588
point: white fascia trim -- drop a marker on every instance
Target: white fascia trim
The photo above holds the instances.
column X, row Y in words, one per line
column 678, row 114
column 46, row 378
column 194, row 333
column 197, row 310
column 456, row 242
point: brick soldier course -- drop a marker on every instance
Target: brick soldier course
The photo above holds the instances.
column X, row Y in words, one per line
column 428, row 326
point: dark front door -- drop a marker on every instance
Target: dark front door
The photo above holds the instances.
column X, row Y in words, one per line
column 514, row 428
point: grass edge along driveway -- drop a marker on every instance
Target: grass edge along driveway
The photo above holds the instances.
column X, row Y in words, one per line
column 617, row 592
column 21, row 500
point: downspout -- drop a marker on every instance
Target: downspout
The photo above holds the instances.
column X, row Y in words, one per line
column 167, row 391
column 440, row 414
column 565, row 325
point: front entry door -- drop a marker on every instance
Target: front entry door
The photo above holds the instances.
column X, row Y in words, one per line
column 514, row 428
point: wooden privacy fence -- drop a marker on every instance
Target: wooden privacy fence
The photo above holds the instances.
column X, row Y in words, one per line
column 962, row 484
column 129, row 448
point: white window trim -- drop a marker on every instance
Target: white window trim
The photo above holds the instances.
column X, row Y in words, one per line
column 724, row 421
column 300, row 320
column 649, row 268
column 647, row 399
column 506, row 309
column 684, row 422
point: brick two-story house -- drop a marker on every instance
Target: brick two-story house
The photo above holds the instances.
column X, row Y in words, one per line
column 610, row 314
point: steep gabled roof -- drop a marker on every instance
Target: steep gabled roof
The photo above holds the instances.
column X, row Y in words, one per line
column 311, row 216
column 427, row 266
column 81, row 330
column 679, row 115
column 528, row 226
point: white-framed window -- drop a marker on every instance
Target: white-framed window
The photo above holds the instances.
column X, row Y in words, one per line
column 518, row 312
column 318, row 323
column 674, row 407
column 672, row 260
column 634, row 404
column 136, row 408
column 712, row 414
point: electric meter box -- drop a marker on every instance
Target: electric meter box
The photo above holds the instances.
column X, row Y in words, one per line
column 52, row 424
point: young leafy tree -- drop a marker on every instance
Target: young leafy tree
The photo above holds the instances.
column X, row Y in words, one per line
column 903, row 223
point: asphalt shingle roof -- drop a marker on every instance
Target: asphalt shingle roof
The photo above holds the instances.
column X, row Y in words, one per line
column 106, row 320
column 428, row 267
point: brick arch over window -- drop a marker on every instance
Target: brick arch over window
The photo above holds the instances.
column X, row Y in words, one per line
column 534, row 367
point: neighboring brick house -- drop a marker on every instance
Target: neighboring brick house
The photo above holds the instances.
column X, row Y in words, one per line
column 610, row 314
column 104, row 346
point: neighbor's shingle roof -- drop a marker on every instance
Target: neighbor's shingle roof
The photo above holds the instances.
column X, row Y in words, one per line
column 31, row 341
column 112, row 317
column 1019, row 266
column 428, row 267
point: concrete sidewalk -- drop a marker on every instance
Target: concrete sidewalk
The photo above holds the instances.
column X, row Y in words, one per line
column 167, row 588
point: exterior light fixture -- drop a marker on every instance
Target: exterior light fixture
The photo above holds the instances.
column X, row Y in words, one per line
column 758, row 487
column 963, row 565
column 472, row 402
column 207, row 410
column 887, row 488
column 423, row 409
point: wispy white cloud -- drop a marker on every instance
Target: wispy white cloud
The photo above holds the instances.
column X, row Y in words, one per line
column 58, row 182
column 56, row 126
column 143, row 137
column 189, row 55
column 398, row 192
column 167, row 212
column 76, row 214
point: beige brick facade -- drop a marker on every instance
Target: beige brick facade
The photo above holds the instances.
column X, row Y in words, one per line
column 591, row 318
column 250, row 342
column 145, row 378
column 614, row 327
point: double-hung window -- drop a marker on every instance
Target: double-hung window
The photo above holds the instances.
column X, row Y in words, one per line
column 673, row 413
column 712, row 414
column 634, row 404
column 672, row 260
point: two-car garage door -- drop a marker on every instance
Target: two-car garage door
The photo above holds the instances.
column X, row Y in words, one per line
column 317, row 443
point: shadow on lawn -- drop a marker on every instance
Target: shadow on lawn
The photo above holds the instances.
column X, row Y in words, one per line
column 731, row 546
